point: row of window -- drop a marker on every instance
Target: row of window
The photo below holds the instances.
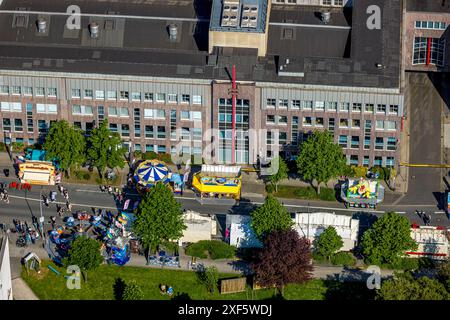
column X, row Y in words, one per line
column 389, row 162
column 381, row 143
column 159, row 133
column 163, row 149
column 428, row 51
column 28, row 91
column 435, row 25
column 323, row 2
column 136, row 96
column 17, row 107
column 331, row 106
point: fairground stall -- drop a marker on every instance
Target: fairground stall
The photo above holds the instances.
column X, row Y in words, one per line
column 218, row 182
column 38, row 173
column 149, row 172
column 362, row 193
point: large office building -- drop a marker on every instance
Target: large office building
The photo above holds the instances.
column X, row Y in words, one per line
column 161, row 73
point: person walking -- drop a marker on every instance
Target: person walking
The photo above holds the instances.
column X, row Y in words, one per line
column 34, row 220
column 69, row 206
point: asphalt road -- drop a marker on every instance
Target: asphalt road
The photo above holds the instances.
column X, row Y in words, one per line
column 23, row 205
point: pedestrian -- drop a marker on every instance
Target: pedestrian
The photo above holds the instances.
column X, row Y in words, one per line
column 110, row 189
column 35, row 222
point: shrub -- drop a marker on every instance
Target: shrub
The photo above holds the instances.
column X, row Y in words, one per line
column 209, row 278
column 86, row 176
column 165, row 157
column 215, row 248
column 407, row 264
column 359, row 172
column 138, row 154
column 270, row 188
column 78, row 175
column 149, row 155
column 318, row 258
column 2, row 147
column 343, row 259
column 132, row 292
column 382, row 172
column 98, row 180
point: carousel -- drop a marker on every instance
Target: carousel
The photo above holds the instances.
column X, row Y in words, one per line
column 150, row 172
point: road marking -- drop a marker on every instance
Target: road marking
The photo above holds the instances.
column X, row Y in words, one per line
column 437, row 212
column 401, row 212
column 63, row 203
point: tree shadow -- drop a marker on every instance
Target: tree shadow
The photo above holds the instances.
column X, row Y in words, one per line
column 347, row 290
column 181, row 296
column 119, row 288
column 440, row 199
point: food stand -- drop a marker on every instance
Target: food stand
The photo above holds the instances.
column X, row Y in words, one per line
column 38, row 173
column 218, row 181
column 362, row 193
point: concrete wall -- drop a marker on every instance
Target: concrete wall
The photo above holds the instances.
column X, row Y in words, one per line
column 5, row 271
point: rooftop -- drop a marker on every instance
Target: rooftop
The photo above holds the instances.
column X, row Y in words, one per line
column 134, row 40
column 436, row 6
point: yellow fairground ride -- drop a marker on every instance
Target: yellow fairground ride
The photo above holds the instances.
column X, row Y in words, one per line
column 218, row 182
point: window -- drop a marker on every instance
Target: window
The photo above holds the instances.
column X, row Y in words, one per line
column 11, row 106
column 369, row 107
column 160, row 114
column 196, row 115
column 391, row 144
column 355, row 142
column 113, row 127
column 149, row 148
column 269, row 137
column 40, row 91
column 28, row 91
column 343, row 141
column 148, row 96
column 356, row 123
column 270, row 103
column 125, row 130
column 354, row 160
column 76, row 93
column 185, row 133
column 343, row 123
column 6, row 124
column 88, row 94
column 136, row 96
column 185, row 98
column 390, row 162
column 18, row 127
column 185, row 115
column 112, row 111
column 379, row 125
column 307, row 105
column 161, row 132
column 345, row 106
column 379, row 143
column 381, row 108
column 160, row 97
column 4, row 89
column 332, row 106
column 319, row 122
column 16, row 90
column 282, row 119
column 434, row 45
column 295, row 104
column 137, row 147
column 270, row 119
column 99, row 94
column 196, row 99
column 149, row 113
column 172, row 98
column 46, row 108
column 51, row 92
column 81, row 110
column 282, row 137
column 161, row 149
column 283, row 103
column 378, row 161
column 197, row 134
column 307, row 121
column 366, row 161
column 77, row 125
column 112, row 95
column 149, row 133
column 319, row 105
column 366, row 142
column 357, row 107
column 124, row 95
column 124, row 112
column 436, row 25
column 390, row 125
column 393, row 109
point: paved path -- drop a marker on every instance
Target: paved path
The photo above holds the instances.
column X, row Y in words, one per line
column 21, row 291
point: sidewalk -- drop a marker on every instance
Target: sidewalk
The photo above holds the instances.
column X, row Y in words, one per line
column 21, row 291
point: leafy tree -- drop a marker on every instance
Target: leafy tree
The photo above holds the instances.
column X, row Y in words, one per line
column 328, row 242
column 388, row 239
column 320, row 159
column 271, row 216
column 209, row 276
column 285, row 258
column 132, row 292
column 159, row 217
column 65, row 143
column 404, row 287
column 84, row 253
column 281, row 172
column 444, row 274
column 105, row 149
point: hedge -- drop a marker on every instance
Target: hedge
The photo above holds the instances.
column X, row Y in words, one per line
column 343, row 259
column 215, row 249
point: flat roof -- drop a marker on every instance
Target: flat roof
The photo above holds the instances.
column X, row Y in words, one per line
column 135, row 41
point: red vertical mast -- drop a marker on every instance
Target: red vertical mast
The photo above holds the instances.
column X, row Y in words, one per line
column 428, row 51
column 233, row 116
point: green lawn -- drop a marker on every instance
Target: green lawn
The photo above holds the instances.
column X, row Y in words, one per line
column 308, row 193
column 100, row 285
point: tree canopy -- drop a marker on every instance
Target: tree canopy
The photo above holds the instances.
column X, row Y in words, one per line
column 84, row 253
column 285, row 258
column 132, row 291
column 66, row 144
column 105, row 148
column 280, row 171
column 320, row 158
column 328, row 242
column 404, row 287
column 159, row 217
column 271, row 216
column 388, row 239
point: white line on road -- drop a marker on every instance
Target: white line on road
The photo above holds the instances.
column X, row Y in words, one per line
column 437, row 212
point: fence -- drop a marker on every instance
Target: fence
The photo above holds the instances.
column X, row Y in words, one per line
column 233, row 285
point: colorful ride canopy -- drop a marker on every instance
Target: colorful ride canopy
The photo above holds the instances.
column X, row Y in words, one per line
column 151, row 171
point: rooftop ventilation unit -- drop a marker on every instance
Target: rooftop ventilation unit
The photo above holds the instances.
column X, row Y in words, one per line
column 173, row 31
column 93, row 28
column 249, row 16
column 42, row 25
column 230, row 13
column 325, row 16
